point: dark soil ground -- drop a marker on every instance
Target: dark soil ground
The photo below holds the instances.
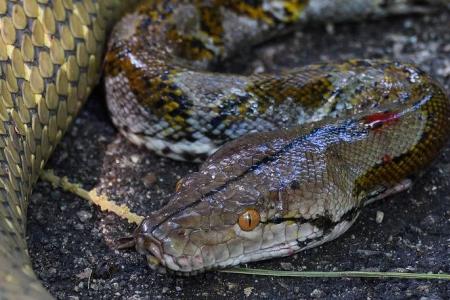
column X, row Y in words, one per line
column 69, row 239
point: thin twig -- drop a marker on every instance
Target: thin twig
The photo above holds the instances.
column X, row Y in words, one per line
column 341, row 274
column 100, row 200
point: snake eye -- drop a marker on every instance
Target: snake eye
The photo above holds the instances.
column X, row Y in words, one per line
column 249, row 219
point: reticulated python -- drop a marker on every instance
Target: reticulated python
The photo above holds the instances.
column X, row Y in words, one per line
column 269, row 193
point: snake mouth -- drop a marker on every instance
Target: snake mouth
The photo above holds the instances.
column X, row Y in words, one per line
column 156, row 260
column 151, row 247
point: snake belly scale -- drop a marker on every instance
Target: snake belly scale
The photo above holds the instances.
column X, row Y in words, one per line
column 288, row 186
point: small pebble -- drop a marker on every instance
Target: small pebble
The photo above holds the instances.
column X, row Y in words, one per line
column 380, row 216
column 317, row 293
column 330, row 28
column 423, row 288
column 286, row 266
column 248, row 291
column 87, row 272
column 84, row 215
column 149, row 179
column 408, row 23
column 135, row 158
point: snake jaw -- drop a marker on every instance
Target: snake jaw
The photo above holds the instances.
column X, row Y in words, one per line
column 146, row 244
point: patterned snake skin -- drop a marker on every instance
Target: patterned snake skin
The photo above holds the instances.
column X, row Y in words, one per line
column 266, row 194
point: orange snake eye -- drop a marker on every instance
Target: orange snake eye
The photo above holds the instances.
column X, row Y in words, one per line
column 249, row 219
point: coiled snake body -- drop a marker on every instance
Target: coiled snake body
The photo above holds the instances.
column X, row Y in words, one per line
column 265, row 194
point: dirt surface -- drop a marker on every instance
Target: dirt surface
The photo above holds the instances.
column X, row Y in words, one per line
column 69, row 239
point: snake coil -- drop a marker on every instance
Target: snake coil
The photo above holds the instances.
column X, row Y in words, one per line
column 50, row 60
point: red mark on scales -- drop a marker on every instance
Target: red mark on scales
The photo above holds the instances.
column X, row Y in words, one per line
column 376, row 120
column 387, row 158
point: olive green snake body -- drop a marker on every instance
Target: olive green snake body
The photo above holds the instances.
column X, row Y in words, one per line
column 392, row 121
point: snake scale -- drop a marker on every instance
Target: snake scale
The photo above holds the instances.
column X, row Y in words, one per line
column 268, row 193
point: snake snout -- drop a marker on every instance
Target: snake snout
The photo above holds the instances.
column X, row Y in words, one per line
column 150, row 246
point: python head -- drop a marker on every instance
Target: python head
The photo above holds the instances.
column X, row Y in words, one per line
column 257, row 197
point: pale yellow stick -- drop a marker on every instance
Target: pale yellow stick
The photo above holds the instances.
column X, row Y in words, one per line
column 100, row 200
